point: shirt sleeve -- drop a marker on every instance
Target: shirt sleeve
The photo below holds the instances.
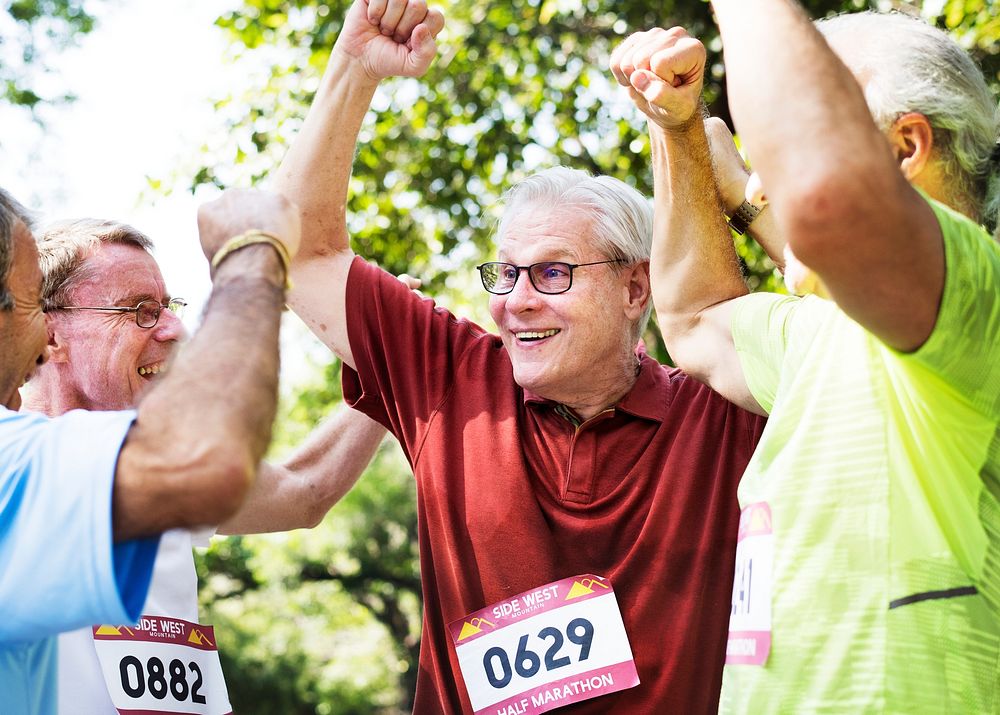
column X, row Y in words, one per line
column 407, row 352
column 59, row 567
column 964, row 347
column 764, row 326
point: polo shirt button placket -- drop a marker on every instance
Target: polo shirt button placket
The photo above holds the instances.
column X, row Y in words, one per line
column 581, row 471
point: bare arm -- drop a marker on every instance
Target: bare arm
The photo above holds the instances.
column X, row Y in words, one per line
column 300, row 491
column 693, row 268
column 317, row 169
column 837, row 194
column 192, row 453
column 731, row 176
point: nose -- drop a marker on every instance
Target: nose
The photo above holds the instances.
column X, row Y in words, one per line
column 524, row 296
column 169, row 327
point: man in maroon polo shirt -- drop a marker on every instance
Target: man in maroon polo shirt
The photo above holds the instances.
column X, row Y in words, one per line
column 562, row 478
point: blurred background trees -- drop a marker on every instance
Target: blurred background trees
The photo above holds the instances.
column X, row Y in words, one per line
column 31, row 31
column 328, row 620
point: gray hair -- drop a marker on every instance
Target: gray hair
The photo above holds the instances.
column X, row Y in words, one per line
column 10, row 213
column 622, row 217
column 915, row 67
column 63, row 248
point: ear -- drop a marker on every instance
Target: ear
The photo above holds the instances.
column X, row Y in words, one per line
column 637, row 289
column 58, row 351
column 912, row 141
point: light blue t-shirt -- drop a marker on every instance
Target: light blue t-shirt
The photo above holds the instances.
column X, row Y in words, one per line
column 59, row 567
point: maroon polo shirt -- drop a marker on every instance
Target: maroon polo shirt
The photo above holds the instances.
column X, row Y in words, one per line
column 512, row 495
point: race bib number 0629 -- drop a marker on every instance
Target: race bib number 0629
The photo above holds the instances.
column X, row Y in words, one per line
column 559, row 644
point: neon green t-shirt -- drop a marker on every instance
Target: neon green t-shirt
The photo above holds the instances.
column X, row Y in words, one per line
column 881, row 472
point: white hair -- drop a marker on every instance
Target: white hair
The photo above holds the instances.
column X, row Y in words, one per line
column 915, row 67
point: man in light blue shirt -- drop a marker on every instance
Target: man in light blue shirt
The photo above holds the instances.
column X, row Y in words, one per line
column 56, row 543
column 83, row 497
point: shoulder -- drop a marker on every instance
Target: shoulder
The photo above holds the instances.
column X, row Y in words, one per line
column 381, row 297
column 30, row 442
column 666, row 391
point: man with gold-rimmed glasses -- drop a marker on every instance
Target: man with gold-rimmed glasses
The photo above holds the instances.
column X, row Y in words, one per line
column 113, row 331
column 85, row 496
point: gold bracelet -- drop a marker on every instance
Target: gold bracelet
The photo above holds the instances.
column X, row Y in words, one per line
column 252, row 237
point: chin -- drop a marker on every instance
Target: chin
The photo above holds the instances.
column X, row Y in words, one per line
column 533, row 382
column 524, row 379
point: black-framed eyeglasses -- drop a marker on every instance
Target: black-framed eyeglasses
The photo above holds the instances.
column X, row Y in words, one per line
column 549, row 277
column 147, row 312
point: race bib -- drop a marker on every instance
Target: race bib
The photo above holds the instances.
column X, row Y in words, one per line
column 553, row 646
column 750, row 617
column 162, row 665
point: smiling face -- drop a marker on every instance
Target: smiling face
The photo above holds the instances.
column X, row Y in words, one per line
column 573, row 347
column 22, row 329
column 103, row 360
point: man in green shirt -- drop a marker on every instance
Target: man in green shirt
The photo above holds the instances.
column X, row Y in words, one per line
column 868, row 569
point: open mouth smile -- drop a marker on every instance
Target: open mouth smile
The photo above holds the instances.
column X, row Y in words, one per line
column 153, row 368
column 535, row 335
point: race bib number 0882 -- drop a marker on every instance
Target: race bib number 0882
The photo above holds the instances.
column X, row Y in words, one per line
column 162, row 665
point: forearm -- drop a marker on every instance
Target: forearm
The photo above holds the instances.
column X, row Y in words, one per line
column 199, row 435
column 764, row 229
column 315, row 174
column 300, row 491
column 809, row 133
column 837, row 194
column 693, row 265
column 317, row 169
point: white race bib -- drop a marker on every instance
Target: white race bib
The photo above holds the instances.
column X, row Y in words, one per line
column 162, row 665
column 555, row 645
column 750, row 618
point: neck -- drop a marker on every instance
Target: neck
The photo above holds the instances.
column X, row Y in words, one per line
column 44, row 393
column 937, row 183
column 605, row 394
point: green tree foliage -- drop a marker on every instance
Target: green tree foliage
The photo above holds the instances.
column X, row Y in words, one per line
column 329, row 621
column 31, row 30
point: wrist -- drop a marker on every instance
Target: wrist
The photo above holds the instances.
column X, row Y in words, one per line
column 345, row 65
column 249, row 252
column 731, row 196
column 672, row 130
column 740, row 219
column 257, row 263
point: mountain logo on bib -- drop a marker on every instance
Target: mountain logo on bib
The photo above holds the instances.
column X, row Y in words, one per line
column 755, row 520
column 472, row 627
column 199, row 638
column 583, row 588
column 113, row 631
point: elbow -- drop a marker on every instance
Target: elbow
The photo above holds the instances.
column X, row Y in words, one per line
column 315, row 506
column 221, row 486
column 312, row 518
column 821, row 212
column 676, row 335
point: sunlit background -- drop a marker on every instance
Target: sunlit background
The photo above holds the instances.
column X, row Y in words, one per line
column 175, row 99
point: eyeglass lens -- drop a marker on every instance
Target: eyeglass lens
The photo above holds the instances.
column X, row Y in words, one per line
column 547, row 277
column 147, row 313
